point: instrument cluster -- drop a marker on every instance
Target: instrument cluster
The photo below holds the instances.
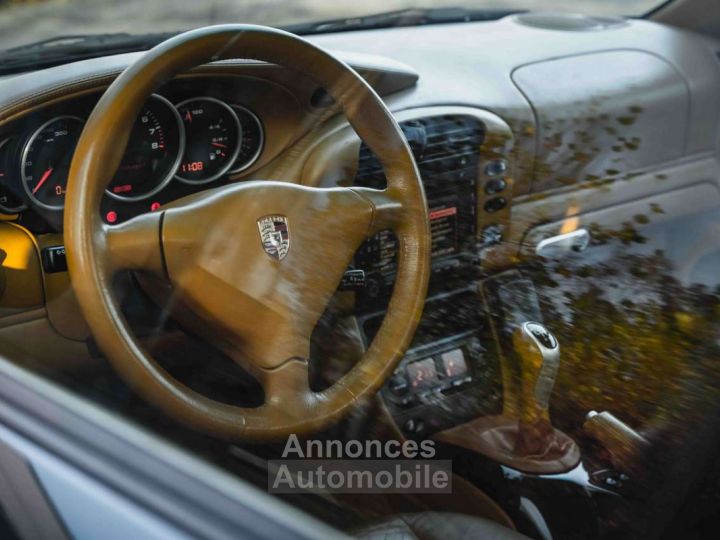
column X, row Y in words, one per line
column 174, row 147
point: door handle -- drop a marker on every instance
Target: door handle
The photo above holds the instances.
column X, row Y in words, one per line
column 563, row 244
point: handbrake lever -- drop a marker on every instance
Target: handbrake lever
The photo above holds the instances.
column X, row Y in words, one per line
column 626, row 446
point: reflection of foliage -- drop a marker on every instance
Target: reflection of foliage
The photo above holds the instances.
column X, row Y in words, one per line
column 634, row 341
column 590, row 148
column 570, row 146
column 627, row 233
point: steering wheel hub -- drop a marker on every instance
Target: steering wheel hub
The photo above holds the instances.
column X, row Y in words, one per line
column 219, row 265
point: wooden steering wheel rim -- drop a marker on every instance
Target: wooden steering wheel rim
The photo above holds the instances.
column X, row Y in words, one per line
column 95, row 251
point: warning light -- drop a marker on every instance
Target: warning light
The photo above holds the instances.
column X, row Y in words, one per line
column 111, row 216
column 155, row 206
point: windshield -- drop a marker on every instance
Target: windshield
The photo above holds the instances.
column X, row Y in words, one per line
column 26, row 22
column 436, row 282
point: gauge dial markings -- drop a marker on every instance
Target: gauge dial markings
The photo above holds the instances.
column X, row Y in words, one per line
column 253, row 139
column 46, row 156
column 152, row 154
column 214, row 135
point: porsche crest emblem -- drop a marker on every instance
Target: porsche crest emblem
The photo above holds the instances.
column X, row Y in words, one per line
column 274, row 235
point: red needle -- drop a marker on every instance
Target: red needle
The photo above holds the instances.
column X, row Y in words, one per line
column 219, row 145
column 43, row 179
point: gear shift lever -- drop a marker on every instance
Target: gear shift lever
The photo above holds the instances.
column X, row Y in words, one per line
column 523, row 436
column 538, row 356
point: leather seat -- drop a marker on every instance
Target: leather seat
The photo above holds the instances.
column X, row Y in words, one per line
column 437, row 526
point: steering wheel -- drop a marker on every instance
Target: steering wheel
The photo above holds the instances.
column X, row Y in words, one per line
column 256, row 262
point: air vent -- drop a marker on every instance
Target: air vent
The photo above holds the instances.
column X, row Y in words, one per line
column 441, row 145
column 568, row 22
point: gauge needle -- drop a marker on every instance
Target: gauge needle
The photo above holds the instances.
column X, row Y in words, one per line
column 43, row 179
column 219, row 145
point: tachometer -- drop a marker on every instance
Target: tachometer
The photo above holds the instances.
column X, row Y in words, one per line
column 46, row 160
column 213, row 139
column 153, row 152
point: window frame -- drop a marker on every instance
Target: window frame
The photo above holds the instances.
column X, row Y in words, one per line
column 176, row 487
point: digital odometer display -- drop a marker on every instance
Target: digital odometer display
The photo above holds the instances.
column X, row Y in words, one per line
column 46, row 160
column 152, row 154
column 213, row 135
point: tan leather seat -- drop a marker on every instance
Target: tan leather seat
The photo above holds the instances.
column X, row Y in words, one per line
column 437, row 526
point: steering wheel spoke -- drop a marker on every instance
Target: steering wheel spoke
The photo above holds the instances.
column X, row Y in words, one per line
column 387, row 208
column 289, row 382
column 134, row 245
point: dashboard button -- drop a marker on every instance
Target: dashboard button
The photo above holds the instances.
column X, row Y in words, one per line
column 492, row 234
column 54, row 260
column 496, row 167
column 494, row 205
column 496, row 185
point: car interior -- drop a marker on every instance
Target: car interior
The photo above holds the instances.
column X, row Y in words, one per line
column 499, row 233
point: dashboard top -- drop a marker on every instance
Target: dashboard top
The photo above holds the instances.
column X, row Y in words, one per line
column 475, row 64
column 470, row 64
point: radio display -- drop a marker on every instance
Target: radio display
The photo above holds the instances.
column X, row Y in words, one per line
column 422, row 373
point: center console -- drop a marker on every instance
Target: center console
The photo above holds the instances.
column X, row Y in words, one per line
column 450, row 373
column 479, row 374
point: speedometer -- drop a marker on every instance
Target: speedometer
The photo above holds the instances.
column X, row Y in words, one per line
column 46, row 161
column 153, row 152
column 213, row 139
